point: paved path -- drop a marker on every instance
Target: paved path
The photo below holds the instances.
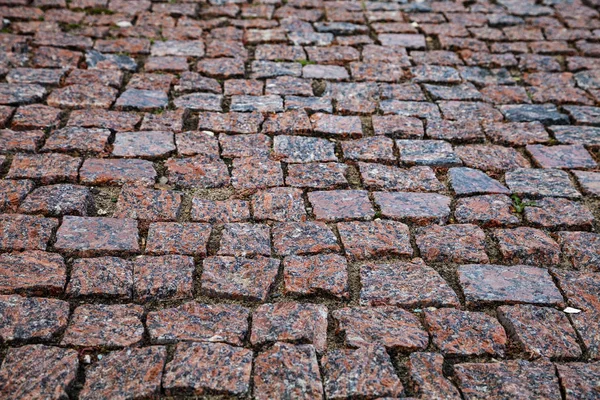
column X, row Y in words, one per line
column 300, row 199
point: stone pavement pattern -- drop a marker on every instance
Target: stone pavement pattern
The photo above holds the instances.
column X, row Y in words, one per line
column 300, row 199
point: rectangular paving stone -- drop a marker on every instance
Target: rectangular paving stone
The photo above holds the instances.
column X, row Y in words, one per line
column 109, row 277
column 103, row 325
column 398, row 126
column 317, row 175
column 163, row 277
column 452, row 243
column 485, row 284
column 197, row 172
column 341, row 205
column 194, row 322
column 178, row 238
column 336, row 126
column 420, row 208
column 244, row 239
column 87, row 236
column 377, row 238
column 13, row 192
column 314, row 275
column 202, row 368
column 32, row 271
column 303, row 238
column 290, row 322
column 256, row 173
column 104, row 171
column 225, row 211
column 239, row 278
column 541, row 182
column 435, row 153
column 148, row 205
column 38, row 371
column 23, row 232
column 57, row 200
column 417, row 178
column 405, row 284
column 582, row 249
column 576, row 379
column 299, row 149
column 74, row 139
column 427, row 379
column 561, row 156
column 526, row 245
column 392, row 327
column 143, row 144
column 32, row 318
column 120, row 121
column 47, row 168
column 26, row 141
column 279, row 204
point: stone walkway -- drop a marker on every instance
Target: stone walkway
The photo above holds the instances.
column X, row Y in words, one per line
column 300, row 199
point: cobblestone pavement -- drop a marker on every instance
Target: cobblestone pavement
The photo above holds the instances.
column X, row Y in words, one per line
column 300, row 199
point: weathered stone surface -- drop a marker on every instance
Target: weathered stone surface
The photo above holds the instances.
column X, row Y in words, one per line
column 126, row 373
column 38, row 371
column 420, row 208
column 540, row 331
column 199, row 323
column 178, row 238
column 13, row 192
column 220, row 211
column 83, row 96
column 238, row 277
column 201, row 368
column 290, row 322
column 163, row 277
column 279, row 204
column 539, row 182
column 469, row 181
column 105, row 326
column 485, row 284
column 492, row 158
column 418, row 178
column 558, row 213
column 561, row 156
column 147, row 205
column 341, row 205
column 577, row 379
column 86, row 140
column 143, row 144
column 57, row 200
column 47, row 168
column 287, row 371
column 103, row 236
column 508, row 379
column 299, row 149
column 303, row 238
column 32, row 271
column 25, row 232
column 244, row 239
column 318, row 274
column 435, row 153
column 17, row 94
column 391, row 327
column 405, row 284
column 452, row 243
column 487, row 211
column 197, row 172
column 367, row 371
column 31, row 318
column 465, row 333
column 110, row 277
column 20, row 141
column 527, row 246
column 99, row 171
column 427, row 379
column 582, row 249
column 142, row 100
column 256, row 173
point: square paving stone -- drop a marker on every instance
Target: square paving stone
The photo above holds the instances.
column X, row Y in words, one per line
column 367, row 371
column 526, row 245
column 245, row 239
column 516, row 133
column 206, row 368
column 220, row 211
column 336, row 126
column 178, row 238
column 376, row 149
column 123, row 373
column 485, row 284
column 142, row 100
column 469, row 181
column 256, row 173
column 25, row 232
column 435, row 153
column 13, row 192
column 74, row 139
column 279, row 204
column 38, row 371
column 32, row 318
column 32, row 271
column 466, row 333
column 290, row 322
column 341, row 205
column 314, row 275
column 83, row 96
column 245, row 145
column 110, row 277
column 101, row 171
column 427, row 378
column 303, row 238
column 487, row 211
column 377, row 238
column 144, row 144
column 392, row 327
column 300, row 149
column 86, row 236
column 452, row 243
column 491, row 157
column 163, row 277
column 317, row 175
column 418, row 178
column 194, row 322
column 508, row 380
column 419, row 208
column 197, row 172
column 582, row 249
column 148, row 205
column 57, row 200
column 561, row 156
column 239, row 278
column 541, row 182
column 558, row 213
column 577, row 379
column 105, row 326
column 405, row 284
column 287, row 371
column 540, row 331
column 47, row 168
